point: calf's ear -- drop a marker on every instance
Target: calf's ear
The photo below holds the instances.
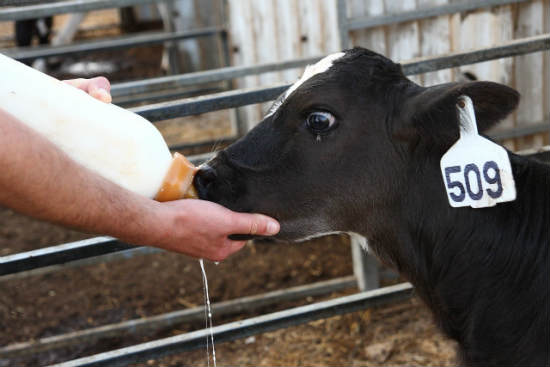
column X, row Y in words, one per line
column 432, row 111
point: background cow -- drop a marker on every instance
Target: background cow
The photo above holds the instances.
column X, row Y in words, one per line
column 355, row 146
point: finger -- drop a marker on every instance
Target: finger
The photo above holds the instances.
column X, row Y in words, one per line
column 253, row 224
column 228, row 248
column 79, row 83
column 100, row 82
column 233, row 246
column 99, row 88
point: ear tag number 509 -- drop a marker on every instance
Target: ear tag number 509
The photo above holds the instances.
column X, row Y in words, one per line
column 476, row 172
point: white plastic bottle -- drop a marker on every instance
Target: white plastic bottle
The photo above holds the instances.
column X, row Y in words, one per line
column 116, row 143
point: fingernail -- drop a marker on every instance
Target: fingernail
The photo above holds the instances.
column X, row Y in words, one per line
column 272, row 227
column 105, row 96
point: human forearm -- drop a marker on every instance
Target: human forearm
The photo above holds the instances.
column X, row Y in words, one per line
column 42, row 181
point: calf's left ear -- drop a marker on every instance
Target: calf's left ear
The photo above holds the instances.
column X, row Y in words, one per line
column 434, row 113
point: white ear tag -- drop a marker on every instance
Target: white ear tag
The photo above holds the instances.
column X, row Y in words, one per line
column 476, row 172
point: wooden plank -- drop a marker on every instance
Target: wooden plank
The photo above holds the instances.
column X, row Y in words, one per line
column 528, row 72
column 243, row 43
column 402, row 39
column 329, row 21
column 265, row 27
column 434, row 40
column 374, row 38
column 289, row 44
column 486, row 28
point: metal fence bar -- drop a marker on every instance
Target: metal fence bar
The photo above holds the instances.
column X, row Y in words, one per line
column 510, row 133
column 31, row 53
column 209, row 103
column 243, row 328
column 74, row 6
column 527, row 129
column 93, row 260
column 209, row 76
column 159, row 322
column 422, row 13
column 243, row 97
column 60, row 254
column 513, row 48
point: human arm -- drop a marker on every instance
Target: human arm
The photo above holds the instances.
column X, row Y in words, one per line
column 40, row 180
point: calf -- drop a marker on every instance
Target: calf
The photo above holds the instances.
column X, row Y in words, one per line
column 355, row 146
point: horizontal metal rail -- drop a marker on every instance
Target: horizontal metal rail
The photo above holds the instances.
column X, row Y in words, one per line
column 209, row 76
column 522, row 130
column 212, row 102
column 176, row 93
column 423, row 13
column 159, row 322
column 73, row 6
column 103, row 248
column 60, row 254
column 243, row 97
column 510, row 133
column 517, row 47
column 31, row 53
column 243, row 328
column 512, row 48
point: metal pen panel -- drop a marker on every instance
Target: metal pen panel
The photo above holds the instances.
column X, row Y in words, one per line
column 74, row 6
column 31, row 53
column 243, row 97
column 243, row 328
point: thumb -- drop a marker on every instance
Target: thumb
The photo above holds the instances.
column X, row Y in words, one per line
column 254, row 224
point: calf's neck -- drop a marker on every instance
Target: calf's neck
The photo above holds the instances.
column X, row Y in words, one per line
column 355, row 146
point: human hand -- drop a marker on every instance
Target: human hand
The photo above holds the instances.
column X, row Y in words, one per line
column 200, row 228
column 98, row 87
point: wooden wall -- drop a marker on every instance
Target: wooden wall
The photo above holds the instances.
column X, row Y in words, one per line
column 277, row 30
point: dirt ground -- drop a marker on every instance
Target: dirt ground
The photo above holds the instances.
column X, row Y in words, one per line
column 88, row 296
column 78, row 298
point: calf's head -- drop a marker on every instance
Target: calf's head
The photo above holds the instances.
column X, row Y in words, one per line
column 334, row 149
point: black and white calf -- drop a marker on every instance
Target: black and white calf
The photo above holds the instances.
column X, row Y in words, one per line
column 355, row 146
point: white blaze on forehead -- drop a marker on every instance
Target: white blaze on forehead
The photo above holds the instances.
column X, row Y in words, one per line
column 311, row 70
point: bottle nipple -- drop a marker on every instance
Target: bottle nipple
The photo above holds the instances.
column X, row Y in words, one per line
column 178, row 182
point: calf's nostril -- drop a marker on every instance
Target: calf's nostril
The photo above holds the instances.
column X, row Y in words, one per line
column 204, row 179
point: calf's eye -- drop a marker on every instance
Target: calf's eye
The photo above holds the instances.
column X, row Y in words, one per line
column 319, row 122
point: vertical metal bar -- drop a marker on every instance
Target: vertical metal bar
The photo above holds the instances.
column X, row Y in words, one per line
column 365, row 265
column 171, row 49
column 343, row 21
column 238, row 122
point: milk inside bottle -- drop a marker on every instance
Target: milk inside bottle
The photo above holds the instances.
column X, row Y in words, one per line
column 118, row 144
